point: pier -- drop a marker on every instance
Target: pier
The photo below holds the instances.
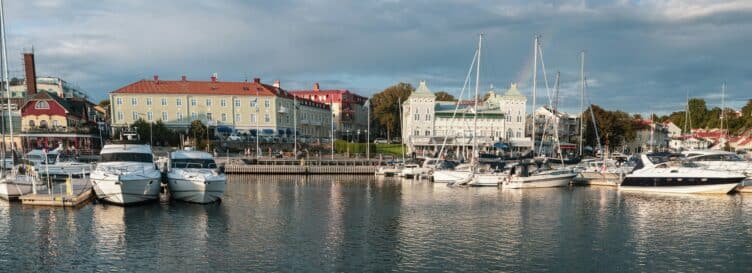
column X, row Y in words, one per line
column 75, row 195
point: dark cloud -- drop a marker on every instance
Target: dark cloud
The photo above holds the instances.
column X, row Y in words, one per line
column 637, row 51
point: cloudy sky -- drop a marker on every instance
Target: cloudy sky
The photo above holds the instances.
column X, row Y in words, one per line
column 642, row 55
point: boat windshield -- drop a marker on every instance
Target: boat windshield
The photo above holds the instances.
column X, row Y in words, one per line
column 195, row 163
column 127, row 157
column 720, row 157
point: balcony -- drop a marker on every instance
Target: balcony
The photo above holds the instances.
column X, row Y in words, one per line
column 59, row 130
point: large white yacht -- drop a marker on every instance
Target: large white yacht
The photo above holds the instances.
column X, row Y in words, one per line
column 720, row 160
column 673, row 173
column 193, row 176
column 602, row 172
column 126, row 174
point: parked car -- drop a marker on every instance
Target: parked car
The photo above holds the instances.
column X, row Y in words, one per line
column 234, row 137
column 380, row 141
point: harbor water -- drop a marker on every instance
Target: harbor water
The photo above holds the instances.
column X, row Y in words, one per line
column 362, row 223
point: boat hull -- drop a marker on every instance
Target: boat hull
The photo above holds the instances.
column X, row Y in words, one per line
column 542, row 181
column 197, row 191
column 13, row 188
column 599, row 179
column 703, row 189
column 443, row 176
column 127, row 192
column 486, row 180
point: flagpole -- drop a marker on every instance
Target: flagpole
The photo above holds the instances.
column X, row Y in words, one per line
column 258, row 133
column 368, row 131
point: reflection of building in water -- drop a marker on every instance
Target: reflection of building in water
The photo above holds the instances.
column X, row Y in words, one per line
column 109, row 231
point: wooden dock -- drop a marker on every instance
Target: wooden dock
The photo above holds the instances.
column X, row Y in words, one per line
column 80, row 193
column 300, row 169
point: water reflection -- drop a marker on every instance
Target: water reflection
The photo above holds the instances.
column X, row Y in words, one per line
column 364, row 223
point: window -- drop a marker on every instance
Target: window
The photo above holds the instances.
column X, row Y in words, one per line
column 266, row 103
column 55, row 123
column 43, row 124
column 417, row 116
column 237, row 102
column 428, row 133
column 224, row 116
column 120, row 115
column 135, row 116
column 253, row 118
column 223, row 103
column 237, row 117
column 428, row 117
column 193, row 102
column 149, row 116
column 208, row 102
column 119, row 101
column 208, row 116
column 179, row 102
column 518, row 134
column 164, row 101
column 180, row 117
column 42, row 104
column 148, row 101
column 194, row 116
column 253, row 102
column 134, row 101
column 417, row 132
column 31, row 123
column 267, row 119
column 164, row 116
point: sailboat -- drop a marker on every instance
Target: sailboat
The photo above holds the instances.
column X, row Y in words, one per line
column 21, row 179
column 533, row 173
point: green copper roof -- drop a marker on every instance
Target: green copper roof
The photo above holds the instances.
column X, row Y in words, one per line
column 513, row 92
column 422, row 91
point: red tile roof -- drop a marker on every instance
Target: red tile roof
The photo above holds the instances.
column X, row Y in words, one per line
column 210, row 88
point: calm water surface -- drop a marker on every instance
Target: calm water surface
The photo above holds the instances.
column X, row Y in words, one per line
column 299, row 224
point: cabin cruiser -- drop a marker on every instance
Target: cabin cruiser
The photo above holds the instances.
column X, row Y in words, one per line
column 56, row 165
column 194, row 177
column 536, row 174
column 411, row 170
column 489, row 177
column 720, row 160
column 673, row 173
column 390, row 169
column 126, row 174
column 604, row 172
column 459, row 174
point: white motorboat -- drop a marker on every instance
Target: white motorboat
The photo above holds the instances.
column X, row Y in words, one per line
column 487, row 179
column 126, row 174
column 602, row 172
column 460, row 174
column 720, row 160
column 389, row 170
column 19, row 181
column 52, row 163
column 673, row 173
column 531, row 174
column 194, row 177
column 419, row 170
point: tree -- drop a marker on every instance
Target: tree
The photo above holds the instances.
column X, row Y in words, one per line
column 444, row 96
column 142, row 129
column 614, row 127
column 386, row 106
column 198, row 132
column 104, row 103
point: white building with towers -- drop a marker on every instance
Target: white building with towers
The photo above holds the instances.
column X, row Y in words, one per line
column 429, row 124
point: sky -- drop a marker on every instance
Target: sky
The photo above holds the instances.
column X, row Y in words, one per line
column 642, row 56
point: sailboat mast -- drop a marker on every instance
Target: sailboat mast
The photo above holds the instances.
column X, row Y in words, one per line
column 475, row 108
column 5, row 72
column 723, row 106
column 582, row 96
column 535, row 77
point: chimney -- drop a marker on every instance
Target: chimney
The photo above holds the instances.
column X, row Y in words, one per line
column 256, row 80
column 214, row 77
column 276, row 83
column 31, row 74
column 316, row 87
column 182, row 78
column 156, row 79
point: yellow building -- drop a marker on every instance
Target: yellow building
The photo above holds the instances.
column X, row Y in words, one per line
column 250, row 107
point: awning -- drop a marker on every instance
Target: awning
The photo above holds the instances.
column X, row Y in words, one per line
column 253, row 132
column 500, row 145
column 224, row 129
column 267, row 131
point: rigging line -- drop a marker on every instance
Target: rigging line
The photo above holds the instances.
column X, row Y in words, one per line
column 548, row 95
column 592, row 116
column 457, row 104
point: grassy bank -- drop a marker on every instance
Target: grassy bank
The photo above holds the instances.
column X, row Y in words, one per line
column 342, row 146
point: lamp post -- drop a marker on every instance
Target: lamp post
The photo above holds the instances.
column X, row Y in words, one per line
column 332, row 136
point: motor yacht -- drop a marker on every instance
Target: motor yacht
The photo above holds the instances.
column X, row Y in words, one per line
column 536, row 174
column 602, row 172
column 126, row 174
column 194, row 176
column 459, row 174
column 674, row 173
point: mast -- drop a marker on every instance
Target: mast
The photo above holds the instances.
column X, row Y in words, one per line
column 535, row 77
column 402, row 133
column 582, row 96
column 475, row 108
column 686, row 117
column 723, row 107
column 295, row 127
column 6, row 82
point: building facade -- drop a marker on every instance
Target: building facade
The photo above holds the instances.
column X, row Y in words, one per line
column 348, row 109
column 247, row 107
column 48, row 120
column 547, row 122
column 459, row 126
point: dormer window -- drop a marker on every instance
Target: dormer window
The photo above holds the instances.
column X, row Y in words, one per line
column 42, row 105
